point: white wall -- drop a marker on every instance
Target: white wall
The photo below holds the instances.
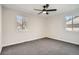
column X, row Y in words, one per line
column 56, row 30
column 0, row 27
column 11, row 36
column 38, row 27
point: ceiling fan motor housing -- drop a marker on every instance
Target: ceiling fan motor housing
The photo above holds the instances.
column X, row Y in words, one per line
column 46, row 6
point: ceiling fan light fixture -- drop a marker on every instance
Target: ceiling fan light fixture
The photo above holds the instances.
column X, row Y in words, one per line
column 44, row 12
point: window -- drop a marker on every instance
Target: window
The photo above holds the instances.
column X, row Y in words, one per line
column 72, row 23
column 21, row 23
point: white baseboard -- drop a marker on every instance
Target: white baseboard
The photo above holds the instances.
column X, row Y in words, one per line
column 39, row 38
column 64, row 40
column 0, row 49
column 21, row 41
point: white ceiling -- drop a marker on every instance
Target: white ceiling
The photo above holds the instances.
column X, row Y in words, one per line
column 29, row 8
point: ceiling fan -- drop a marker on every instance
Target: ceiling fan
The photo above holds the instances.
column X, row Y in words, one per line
column 45, row 9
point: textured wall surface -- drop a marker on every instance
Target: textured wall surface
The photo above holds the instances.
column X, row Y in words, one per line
column 57, row 30
column 0, row 27
column 11, row 36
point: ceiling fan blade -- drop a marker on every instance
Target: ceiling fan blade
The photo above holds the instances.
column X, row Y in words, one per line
column 47, row 13
column 40, row 12
column 52, row 10
column 37, row 9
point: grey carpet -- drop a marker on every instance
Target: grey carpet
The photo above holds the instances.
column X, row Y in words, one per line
column 43, row 46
